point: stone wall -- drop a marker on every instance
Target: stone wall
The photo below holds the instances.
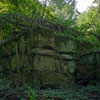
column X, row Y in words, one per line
column 52, row 66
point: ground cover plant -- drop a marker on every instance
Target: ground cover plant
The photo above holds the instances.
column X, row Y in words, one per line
column 47, row 53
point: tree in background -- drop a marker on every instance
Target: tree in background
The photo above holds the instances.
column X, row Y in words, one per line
column 64, row 9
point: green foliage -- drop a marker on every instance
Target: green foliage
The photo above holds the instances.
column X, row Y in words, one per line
column 64, row 11
column 90, row 25
column 27, row 24
column 74, row 92
column 31, row 94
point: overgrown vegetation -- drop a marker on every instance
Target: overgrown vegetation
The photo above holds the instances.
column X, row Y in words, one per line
column 47, row 53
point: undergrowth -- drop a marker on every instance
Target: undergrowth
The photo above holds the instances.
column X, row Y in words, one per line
column 68, row 92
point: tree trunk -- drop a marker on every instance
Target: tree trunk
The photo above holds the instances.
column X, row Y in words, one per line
column 10, row 68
